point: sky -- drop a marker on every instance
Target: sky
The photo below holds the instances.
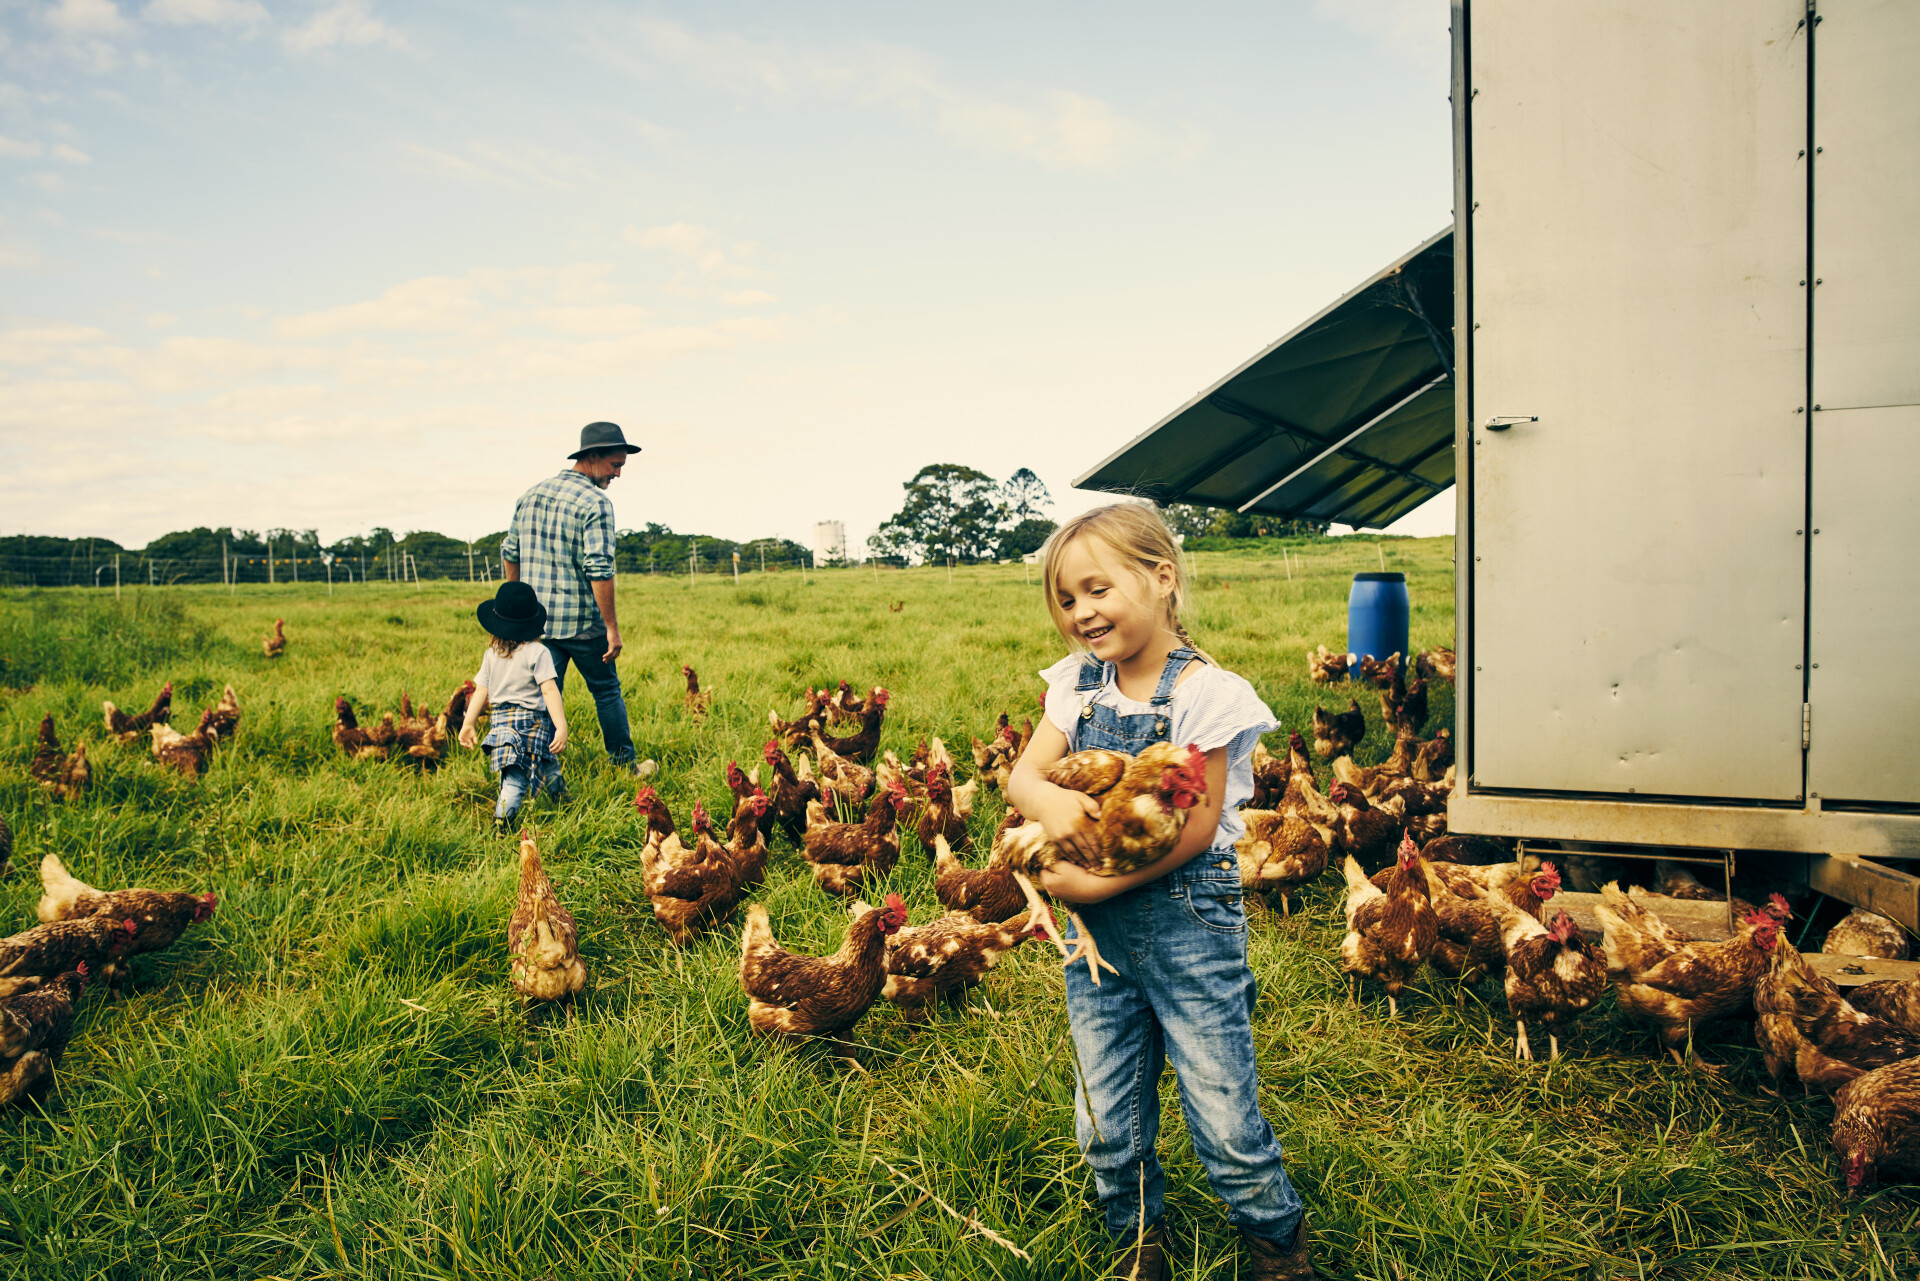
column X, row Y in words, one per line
column 335, row 264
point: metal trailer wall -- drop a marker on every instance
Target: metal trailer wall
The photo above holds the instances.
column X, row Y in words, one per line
column 1688, row 333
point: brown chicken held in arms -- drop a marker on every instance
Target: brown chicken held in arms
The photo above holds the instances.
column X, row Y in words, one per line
column 1144, row 804
column 29, row 958
column 794, row 997
column 1808, row 1031
column 35, row 1027
column 1876, row 1125
column 1324, row 667
column 791, row 793
column 1335, row 734
column 185, row 754
column 945, row 957
column 1552, row 973
column 1677, row 985
column 160, row 917
column 862, row 745
column 276, row 642
column 1391, row 933
column 843, row 854
column 64, row 774
column 541, row 936
column 357, row 743
column 989, row 894
column 699, row 701
column 126, row 730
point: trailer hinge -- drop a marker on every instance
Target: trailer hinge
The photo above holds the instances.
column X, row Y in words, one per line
column 1806, row 726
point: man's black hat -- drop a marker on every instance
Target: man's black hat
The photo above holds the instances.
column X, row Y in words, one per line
column 602, row 436
column 514, row 613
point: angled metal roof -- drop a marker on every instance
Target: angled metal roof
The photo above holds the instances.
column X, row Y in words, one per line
column 1349, row 418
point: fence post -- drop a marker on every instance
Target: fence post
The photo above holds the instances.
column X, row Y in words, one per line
column 736, row 569
column 469, row 562
column 116, row 576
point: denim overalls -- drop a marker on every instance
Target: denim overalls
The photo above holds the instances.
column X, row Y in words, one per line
column 1183, row 992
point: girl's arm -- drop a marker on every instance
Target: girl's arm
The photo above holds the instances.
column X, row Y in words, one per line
column 1062, row 813
column 550, row 692
column 1077, row 885
column 475, row 705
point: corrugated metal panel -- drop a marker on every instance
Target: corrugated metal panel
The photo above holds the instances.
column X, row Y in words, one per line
column 1349, row 418
column 1639, row 235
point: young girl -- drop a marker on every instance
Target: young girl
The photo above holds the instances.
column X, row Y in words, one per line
column 1175, row 929
column 516, row 676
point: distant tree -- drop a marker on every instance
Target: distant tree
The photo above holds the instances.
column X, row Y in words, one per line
column 1024, row 496
column 1025, row 537
column 1187, row 520
column 1190, row 520
column 951, row 510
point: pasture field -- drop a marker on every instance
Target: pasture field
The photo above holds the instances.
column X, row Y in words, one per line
column 331, row 1078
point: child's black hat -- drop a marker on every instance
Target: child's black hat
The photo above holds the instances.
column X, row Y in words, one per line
column 514, row 613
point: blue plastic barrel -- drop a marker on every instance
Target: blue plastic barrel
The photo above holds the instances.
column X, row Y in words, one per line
column 1377, row 613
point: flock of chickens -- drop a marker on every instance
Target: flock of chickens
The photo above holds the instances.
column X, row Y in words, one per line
column 1415, row 896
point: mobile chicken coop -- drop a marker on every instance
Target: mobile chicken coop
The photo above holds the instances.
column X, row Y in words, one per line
column 1676, row 380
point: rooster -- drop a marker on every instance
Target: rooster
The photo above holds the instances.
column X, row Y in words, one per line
column 843, row 853
column 945, row 957
column 791, row 793
column 699, row 701
column 1435, row 665
column 160, row 916
column 65, row 775
column 1324, row 667
column 127, row 729
column 1335, row 734
column 1807, row 1030
column 862, row 745
column 275, row 643
column 794, row 997
column 989, row 894
column 541, row 936
column 185, row 754
column 35, row 1027
column 1675, row 984
column 1391, row 932
column 1552, row 973
column 1876, row 1125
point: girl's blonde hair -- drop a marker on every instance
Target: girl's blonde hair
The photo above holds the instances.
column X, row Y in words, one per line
column 1139, row 540
column 502, row 646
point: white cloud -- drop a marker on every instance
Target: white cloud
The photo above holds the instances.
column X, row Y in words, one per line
column 747, row 298
column 13, row 149
column 694, row 243
column 84, row 17
column 348, row 22
column 162, row 320
column 49, row 182
column 211, row 13
column 70, row 155
column 505, row 164
column 1057, row 128
column 430, row 303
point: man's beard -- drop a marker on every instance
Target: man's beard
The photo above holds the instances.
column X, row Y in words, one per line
column 604, row 481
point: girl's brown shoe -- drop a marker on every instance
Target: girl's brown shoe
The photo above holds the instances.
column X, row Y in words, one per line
column 1142, row 1259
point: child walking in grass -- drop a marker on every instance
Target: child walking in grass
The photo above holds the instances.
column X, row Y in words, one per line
column 517, row 677
column 1176, row 929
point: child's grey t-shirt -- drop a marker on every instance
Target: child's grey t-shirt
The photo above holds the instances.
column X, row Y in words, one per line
column 515, row 681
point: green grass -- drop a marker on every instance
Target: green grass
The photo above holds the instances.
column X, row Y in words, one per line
column 332, row 1080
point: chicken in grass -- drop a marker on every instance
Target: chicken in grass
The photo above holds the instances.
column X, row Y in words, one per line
column 947, row 809
column 1876, row 1126
column 1809, row 1032
column 988, row 894
column 1432, row 758
column 1368, row 834
column 695, row 888
column 1552, row 973
column 1895, row 1000
column 35, row 1027
column 945, row 957
column 1270, row 775
column 1379, row 672
column 699, row 701
column 864, row 743
column 541, row 936
column 1391, row 932
column 844, row 855
column 794, row 997
column 1404, row 704
column 1335, row 734
column 794, row 732
column 844, row 707
column 423, row 740
column 356, row 742
column 791, row 794
column 64, row 774
column 1679, row 985
column 1282, row 851
column 184, row 754
column 160, row 917
column 222, row 720
column 845, row 778
column 31, row 957
column 127, row 730
column 275, row 644
column 1369, row 778
column 1324, row 667
column 1435, row 665
column 993, row 760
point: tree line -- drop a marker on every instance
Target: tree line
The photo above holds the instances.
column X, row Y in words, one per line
column 956, row 514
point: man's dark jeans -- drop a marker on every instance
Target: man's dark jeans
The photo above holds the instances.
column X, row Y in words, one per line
column 603, row 682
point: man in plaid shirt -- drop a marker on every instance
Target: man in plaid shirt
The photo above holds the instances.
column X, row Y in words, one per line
column 562, row 540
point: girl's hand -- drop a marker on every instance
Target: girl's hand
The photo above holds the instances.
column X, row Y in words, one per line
column 1066, row 816
column 1076, row 885
column 559, row 740
column 469, row 739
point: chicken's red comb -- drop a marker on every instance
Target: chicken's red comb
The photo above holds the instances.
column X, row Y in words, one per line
column 80, row 968
column 1777, row 904
column 644, row 798
column 771, row 750
column 1196, row 759
column 130, row 926
column 896, row 902
column 1407, row 846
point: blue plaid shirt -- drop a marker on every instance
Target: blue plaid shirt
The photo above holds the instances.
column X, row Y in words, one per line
column 562, row 537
